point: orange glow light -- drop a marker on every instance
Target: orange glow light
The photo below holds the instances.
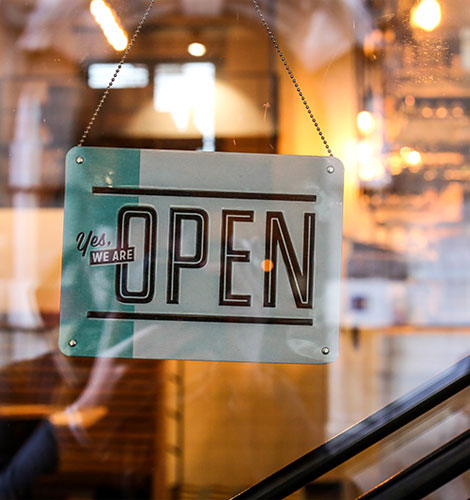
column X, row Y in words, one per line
column 441, row 112
column 410, row 100
column 267, row 265
column 427, row 112
column 457, row 112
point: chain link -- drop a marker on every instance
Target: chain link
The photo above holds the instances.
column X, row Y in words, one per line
column 291, row 74
column 118, row 69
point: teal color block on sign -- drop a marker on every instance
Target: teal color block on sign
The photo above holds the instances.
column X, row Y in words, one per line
column 84, row 287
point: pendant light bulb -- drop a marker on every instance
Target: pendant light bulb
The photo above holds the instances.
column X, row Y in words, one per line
column 365, row 122
column 426, row 15
column 196, row 49
column 109, row 23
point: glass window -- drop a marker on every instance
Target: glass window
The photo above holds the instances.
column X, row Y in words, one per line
column 388, row 82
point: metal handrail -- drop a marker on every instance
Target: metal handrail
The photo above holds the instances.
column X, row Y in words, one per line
column 362, row 435
column 428, row 474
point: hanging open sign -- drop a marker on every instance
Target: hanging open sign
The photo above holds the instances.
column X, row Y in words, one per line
column 206, row 256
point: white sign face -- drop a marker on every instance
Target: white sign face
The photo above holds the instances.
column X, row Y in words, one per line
column 203, row 256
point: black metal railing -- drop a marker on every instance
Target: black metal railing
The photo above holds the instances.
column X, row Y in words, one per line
column 428, row 474
column 362, row 435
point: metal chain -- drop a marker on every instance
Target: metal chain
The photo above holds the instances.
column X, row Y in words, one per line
column 291, row 74
column 118, row 69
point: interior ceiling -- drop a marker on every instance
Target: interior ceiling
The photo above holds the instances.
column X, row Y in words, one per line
column 317, row 31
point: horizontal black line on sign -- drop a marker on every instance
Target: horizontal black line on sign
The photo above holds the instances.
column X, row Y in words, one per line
column 198, row 317
column 194, row 193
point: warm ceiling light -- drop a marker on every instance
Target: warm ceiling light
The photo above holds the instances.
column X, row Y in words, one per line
column 410, row 100
column 457, row 111
column 365, row 122
column 411, row 156
column 426, row 15
column 414, row 158
column 427, row 112
column 197, row 49
column 109, row 23
column 441, row 112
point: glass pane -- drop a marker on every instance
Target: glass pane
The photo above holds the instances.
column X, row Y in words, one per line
column 405, row 447
column 389, row 84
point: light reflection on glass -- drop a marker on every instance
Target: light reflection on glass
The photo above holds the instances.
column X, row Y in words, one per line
column 109, row 23
column 130, row 76
column 187, row 91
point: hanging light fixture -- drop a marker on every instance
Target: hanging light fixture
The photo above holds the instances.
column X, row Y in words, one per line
column 197, row 49
column 365, row 122
column 109, row 23
column 410, row 156
column 426, row 15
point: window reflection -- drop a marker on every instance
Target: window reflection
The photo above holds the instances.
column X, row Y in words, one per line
column 187, row 92
column 130, row 75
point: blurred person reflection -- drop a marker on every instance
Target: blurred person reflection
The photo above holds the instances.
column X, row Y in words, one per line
column 42, row 428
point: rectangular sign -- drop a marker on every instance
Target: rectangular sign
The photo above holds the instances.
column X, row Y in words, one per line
column 203, row 256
